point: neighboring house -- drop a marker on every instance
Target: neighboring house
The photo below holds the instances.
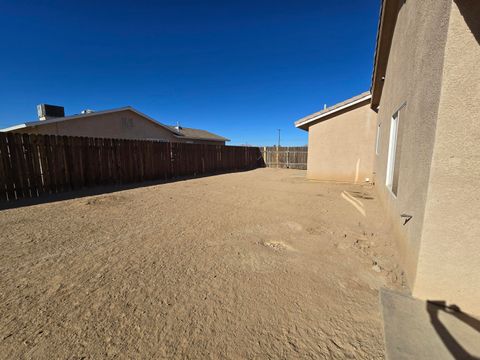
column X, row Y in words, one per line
column 121, row 123
column 426, row 89
column 340, row 141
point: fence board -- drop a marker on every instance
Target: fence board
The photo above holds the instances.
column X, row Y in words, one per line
column 50, row 166
column 7, row 172
column 15, row 147
column 62, row 157
column 3, row 178
column 29, row 162
column 42, row 161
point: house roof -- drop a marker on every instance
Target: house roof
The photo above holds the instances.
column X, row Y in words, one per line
column 306, row 121
column 197, row 134
column 184, row 133
column 386, row 26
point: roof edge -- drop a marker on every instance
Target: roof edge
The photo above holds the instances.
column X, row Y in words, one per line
column 386, row 26
column 204, row 139
column 309, row 119
column 14, row 127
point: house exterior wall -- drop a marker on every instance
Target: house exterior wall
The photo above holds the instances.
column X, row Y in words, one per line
column 433, row 78
column 449, row 259
column 124, row 124
column 341, row 148
column 413, row 83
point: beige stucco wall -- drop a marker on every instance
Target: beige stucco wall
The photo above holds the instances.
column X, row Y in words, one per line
column 124, row 124
column 412, row 80
column 449, row 259
column 341, row 148
column 433, row 71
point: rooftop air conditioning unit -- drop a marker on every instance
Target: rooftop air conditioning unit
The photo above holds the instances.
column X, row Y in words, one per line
column 46, row 111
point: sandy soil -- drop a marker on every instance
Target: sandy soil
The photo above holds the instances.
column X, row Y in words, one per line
column 255, row 265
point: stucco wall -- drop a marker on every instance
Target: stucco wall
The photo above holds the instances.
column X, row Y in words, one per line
column 341, row 148
column 449, row 260
column 125, row 125
column 413, row 80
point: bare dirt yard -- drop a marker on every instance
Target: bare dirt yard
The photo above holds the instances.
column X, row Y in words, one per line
column 254, row 265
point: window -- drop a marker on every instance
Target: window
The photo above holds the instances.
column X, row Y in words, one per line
column 377, row 141
column 127, row 123
column 393, row 160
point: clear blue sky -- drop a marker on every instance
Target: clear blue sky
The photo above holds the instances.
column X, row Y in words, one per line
column 241, row 69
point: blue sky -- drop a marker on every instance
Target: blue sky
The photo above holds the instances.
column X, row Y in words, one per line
column 242, row 69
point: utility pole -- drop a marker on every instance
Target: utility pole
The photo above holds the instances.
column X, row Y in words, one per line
column 278, row 145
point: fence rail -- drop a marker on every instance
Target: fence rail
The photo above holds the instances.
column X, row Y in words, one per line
column 293, row 157
column 36, row 165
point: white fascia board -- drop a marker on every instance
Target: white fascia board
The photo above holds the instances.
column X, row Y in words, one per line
column 14, row 127
column 333, row 111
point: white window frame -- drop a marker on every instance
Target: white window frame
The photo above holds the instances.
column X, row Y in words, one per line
column 377, row 141
column 392, row 147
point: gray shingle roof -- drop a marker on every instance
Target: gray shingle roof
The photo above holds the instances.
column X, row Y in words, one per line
column 197, row 134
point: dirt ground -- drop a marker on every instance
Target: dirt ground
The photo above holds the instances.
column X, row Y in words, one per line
column 255, row 265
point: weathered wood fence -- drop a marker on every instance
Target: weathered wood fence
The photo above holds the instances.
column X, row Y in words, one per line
column 292, row 157
column 36, row 165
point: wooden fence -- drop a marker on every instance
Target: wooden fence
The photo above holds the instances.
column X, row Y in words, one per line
column 36, row 165
column 293, row 157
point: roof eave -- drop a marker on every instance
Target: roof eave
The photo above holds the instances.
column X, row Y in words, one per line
column 13, row 128
column 386, row 26
column 204, row 139
column 305, row 123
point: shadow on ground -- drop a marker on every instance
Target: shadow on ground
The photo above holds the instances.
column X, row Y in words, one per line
column 100, row 190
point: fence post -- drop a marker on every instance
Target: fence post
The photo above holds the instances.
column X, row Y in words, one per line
column 278, row 161
column 288, row 152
